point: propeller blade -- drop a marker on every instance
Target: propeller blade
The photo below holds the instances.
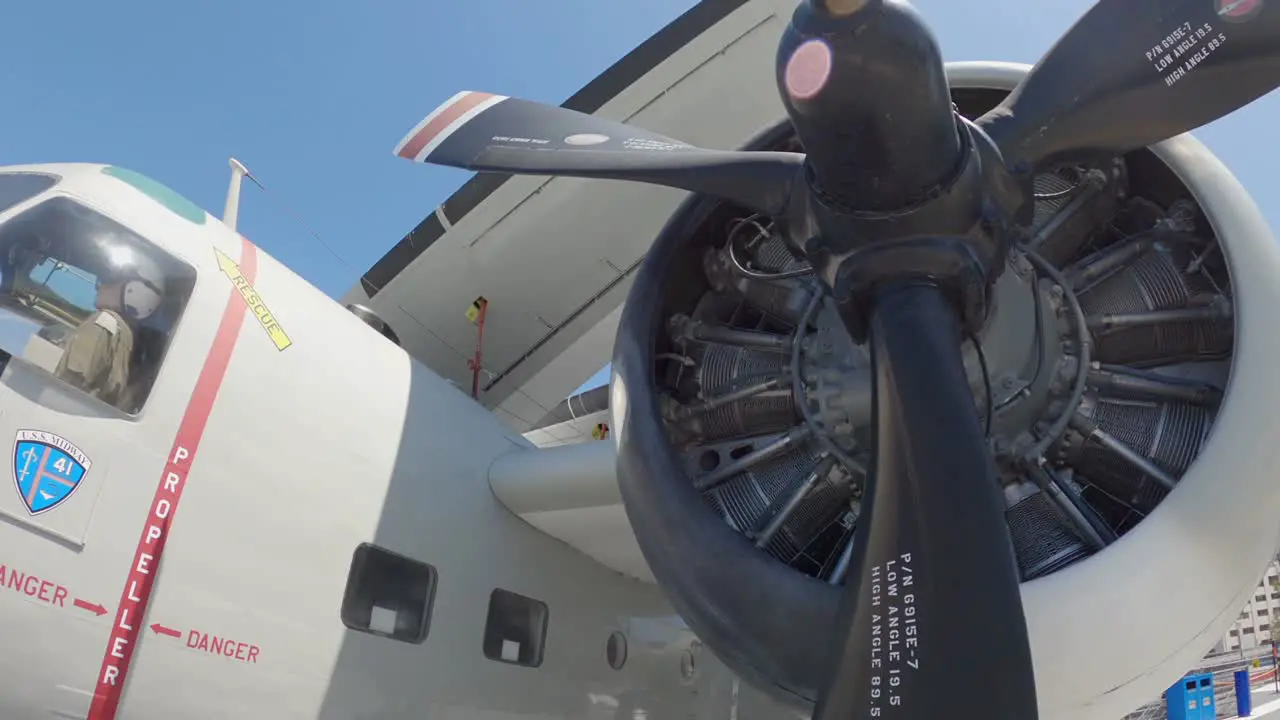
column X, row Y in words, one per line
column 486, row 132
column 936, row 611
column 1131, row 73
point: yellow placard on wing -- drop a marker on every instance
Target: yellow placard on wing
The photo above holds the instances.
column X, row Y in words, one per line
column 600, row 431
column 251, row 298
column 473, row 310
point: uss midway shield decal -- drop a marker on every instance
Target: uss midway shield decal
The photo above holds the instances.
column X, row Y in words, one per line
column 47, row 469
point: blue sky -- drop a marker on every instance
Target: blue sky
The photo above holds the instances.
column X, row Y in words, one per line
column 312, row 96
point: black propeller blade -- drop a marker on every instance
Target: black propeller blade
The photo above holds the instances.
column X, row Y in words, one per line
column 1131, row 73
column 481, row 131
column 935, row 609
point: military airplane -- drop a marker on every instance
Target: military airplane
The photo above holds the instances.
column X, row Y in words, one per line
column 166, row 383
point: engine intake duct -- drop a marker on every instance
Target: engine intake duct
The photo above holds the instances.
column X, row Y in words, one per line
column 1135, row 450
column 739, row 391
column 795, row 495
column 1148, row 308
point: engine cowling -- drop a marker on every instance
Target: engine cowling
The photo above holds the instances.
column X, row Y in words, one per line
column 741, row 440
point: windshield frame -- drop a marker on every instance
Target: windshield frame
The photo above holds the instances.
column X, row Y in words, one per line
column 189, row 279
column 14, row 208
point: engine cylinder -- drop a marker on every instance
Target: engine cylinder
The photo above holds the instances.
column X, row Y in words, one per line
column 1169, row 434
column 1157, row 280
column 1042, row 539
column 750, row 499
column 783, row 301
column 767, row 616
column 721, row 369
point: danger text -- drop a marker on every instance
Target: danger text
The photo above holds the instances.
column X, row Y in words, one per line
column 33, row 586
column 214, row 645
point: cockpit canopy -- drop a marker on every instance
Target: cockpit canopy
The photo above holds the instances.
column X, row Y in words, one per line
column 82, row 296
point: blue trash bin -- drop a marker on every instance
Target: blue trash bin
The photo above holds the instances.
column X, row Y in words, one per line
column 1244, row 694
column 1191, row 698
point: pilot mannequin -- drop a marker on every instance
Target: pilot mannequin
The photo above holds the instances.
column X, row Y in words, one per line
column 97, row 355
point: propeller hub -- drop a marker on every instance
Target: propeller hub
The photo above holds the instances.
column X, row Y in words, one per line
column 864, row 85
column 900, row 186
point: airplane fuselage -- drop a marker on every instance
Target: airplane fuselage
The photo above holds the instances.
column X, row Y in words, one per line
column 295, row 521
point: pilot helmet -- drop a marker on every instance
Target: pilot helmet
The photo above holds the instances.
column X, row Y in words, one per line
column 141, row 279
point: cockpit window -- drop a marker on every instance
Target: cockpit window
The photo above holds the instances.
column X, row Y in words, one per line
column 17, row 187
column 88, row 300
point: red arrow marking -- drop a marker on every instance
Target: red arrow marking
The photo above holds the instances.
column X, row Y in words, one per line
column 94, row 608
column 159, row 629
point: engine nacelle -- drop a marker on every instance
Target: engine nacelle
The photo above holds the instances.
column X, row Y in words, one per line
column 741, row 411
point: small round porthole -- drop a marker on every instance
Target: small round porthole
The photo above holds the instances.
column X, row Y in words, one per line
column 615, row 650
column 372, row 319
column 688, row 666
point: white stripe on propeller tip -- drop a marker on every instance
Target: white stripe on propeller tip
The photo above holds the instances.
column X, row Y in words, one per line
column 443, row 122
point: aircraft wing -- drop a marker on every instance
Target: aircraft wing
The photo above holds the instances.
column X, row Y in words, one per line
column 706, row 78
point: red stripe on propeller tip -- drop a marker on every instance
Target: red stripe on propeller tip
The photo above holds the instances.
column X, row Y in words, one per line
column 444, row 117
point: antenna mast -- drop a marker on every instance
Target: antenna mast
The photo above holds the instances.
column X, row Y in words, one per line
column 232, row 209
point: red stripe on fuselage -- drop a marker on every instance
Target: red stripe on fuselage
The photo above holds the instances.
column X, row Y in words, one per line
column 128, row 625
column 441, row 122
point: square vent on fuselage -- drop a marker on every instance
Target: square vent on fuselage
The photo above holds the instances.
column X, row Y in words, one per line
column 389, row 595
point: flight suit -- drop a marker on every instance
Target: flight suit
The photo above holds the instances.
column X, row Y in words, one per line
column 97, row 356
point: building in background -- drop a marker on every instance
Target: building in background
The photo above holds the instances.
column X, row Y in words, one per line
column 1257, row 618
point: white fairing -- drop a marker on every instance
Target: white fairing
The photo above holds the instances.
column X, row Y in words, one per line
column 571, row 492
column 1098, row 643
